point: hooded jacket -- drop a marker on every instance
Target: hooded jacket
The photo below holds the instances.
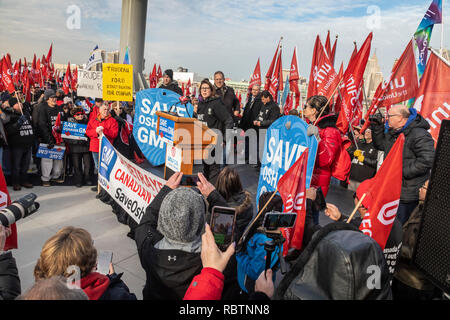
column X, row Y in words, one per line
column 418, row 152
column 173, row 86
column 168, row 272
column 105, row 287
column 110, row 130
column 338, row 264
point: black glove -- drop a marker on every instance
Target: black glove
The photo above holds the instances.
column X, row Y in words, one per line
column 50, row 145
column 376, row 119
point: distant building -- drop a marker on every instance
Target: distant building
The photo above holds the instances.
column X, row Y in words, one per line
column 372, row 78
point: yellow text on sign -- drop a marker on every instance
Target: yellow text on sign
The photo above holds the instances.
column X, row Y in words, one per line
column 117, row 82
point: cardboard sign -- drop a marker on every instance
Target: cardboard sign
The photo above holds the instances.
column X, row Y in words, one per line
column 117, row 82
column 73, row 130
column 90, row 84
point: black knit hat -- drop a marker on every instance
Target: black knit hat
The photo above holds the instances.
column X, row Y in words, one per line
column 169, row 73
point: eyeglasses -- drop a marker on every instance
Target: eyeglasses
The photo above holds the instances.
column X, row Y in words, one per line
column 393, row 115
column 205, row 88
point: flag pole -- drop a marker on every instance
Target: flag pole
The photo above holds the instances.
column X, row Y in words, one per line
column 356, row 208
column 331, row 96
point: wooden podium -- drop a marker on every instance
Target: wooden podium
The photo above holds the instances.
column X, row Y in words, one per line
column 188, row 136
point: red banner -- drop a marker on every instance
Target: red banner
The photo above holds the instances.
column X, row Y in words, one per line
column 269, row 73
column 292, row 189
column 256, row 77
column 67, row 82
column 276, row 82
column 383, row 195
column 433, row 97
column 75, row 79
column 293, row 79
column 6, row 78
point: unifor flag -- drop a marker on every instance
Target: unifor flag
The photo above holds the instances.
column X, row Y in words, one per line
column 289, row 104
column 6, row 78
column 153, row 78
column 75, row 79
column 401, row 85
column 271, row 67
column 49, row 54
column 382, row 195
column 188, row 87
column 337, row 105
column 333, row 51
column 256, row 77
column 294, row 77
column 292, row 189
column 276, row 82
column 433, row 97
column 67, row 82
column 423, row 34
column 323, row 78
column 26, row 86
column 328, row 45
column 159, row 74
column 34, row 71
column 352, row 81
column 5, row 200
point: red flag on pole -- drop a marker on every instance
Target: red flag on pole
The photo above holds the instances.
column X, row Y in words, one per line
column 256, row 77
column 5, row 200
column 292, row 189
column 328, row 45
column 352, row 80
column 56, row 130
column 49, row 54
column 26, row 87
column 75, row 79
column 67, row 83
column 333, row 51
column 383, row 195
column 401, row 85
column 433, row 96
column 269, row 73
column 153, row 78
column 6, row 78
column 293, row 78
column 188, row 86
column 183, row 90
column 159, row 74
column 276, row 81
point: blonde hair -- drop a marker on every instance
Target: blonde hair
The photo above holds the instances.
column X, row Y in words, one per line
column 69, row 246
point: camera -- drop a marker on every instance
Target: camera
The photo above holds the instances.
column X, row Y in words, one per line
column 274, row 220
column 19, row 209
column 376, row 118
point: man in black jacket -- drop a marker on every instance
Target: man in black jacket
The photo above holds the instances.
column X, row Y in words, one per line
column 169, row 83
column 418, row 152
column 227, row 94
column 48, row 112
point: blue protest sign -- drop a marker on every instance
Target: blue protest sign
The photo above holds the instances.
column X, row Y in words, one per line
column 145, row 121
column 108, row 157
column 73, row 130
column 55, row 153
column 285, row 142
column 166, row 129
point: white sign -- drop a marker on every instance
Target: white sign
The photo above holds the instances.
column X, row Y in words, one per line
column 90, row 84
column 173, row 157
column 94, row 59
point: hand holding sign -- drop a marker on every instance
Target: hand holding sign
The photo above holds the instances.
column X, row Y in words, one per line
column 99, row 130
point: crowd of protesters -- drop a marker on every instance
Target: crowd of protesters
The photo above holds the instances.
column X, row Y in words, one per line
column 175, row 244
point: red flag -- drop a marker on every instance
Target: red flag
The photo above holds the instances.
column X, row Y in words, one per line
column 67, row 83
column 153, row 78
column 269, row 73
column 433, row 96
column 337, row 96
column 188, row 86
column 183, row 90
column 323, row 78
column 9, row 64
column 333, row 51
column 159, row 74
column 6, row 78
column 56, row 130
column 328, row 45
column 26, row 87
column 276, row 80
column 16, row 73
column 5, row 200
column 294, row 77
column 256, row 77
column 49, row 54
column 401, row 85
column 1, row 78
column 34, row 71
column 383, row 195
column 75, row 79
column 289, row 104
column 352, row 80
column 292, row 189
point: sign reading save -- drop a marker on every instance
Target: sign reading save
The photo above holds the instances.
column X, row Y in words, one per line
column 117, row 82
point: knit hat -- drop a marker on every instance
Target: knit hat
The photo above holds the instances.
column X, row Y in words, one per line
column 182, row 215
column 49, row 93
column 169, row 73
column 5, row 96
column 12, row 101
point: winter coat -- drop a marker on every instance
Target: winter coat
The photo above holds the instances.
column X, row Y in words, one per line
column 268, row 114
column 208, row 285
column 213, row 112
column 47, row 119
column 19, row 136
column 75, row 145
column 229, row 99
column 367, row 169
column 173, row 86
column 110, row 130
column 418, row 152
column 122, row 141
column 330, row 145
column 98, row 286
column 168, row 272
column 251, row 112
column 9, row 277
column 334, row 267
column 35, row 117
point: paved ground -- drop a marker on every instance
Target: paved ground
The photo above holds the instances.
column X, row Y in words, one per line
column 69, row 206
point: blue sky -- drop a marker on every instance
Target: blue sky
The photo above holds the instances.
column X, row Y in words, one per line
column 205, row 36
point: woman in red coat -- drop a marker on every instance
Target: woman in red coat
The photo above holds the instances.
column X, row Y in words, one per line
column 102, row 123
column 330, row 143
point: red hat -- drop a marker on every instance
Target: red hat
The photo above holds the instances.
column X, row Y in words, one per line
column 364, row 188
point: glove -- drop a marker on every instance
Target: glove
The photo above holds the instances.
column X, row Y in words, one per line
column 22, row 120
column 50, row 145
column 313, row 130
column 357, row 153
column 361, row 158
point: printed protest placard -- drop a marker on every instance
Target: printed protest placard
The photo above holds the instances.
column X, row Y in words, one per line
column 73, row 130
column 117, row 82
column 90, row 84
column 55, row 153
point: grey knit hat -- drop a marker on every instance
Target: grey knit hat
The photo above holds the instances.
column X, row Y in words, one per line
column 182, row 215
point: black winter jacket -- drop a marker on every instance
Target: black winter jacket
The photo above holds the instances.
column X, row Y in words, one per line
column 9, row 277
column 367, row 169
column 117, row 289
column 19, row 136
column 173, row 86
column 418, row 154
column 169, row 272
column 268, row 114
column 251, row 112
column 229, row 99
column 213, row 112
column 47, row 118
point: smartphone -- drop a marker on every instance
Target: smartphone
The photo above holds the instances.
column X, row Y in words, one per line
column 274, row 220
column 223, row 222
column 103, row 261
column 189, row 180
column 320, row 203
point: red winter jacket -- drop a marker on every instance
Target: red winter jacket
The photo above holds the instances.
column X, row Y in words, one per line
column 110, row 130
column 330, row 146
column 208, row 285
